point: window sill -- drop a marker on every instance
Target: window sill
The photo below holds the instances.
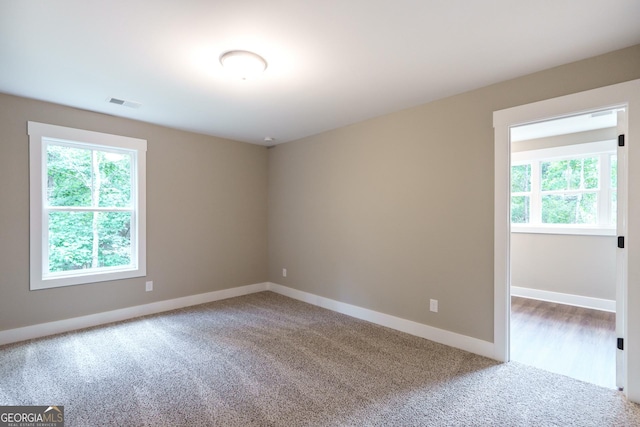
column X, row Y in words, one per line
column 83, row 278
column 549, row 229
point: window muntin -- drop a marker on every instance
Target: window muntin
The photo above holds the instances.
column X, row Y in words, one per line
column 87, row 206
column 569, row 189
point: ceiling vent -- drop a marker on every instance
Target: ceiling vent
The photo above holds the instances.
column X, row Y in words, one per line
column 124, row 103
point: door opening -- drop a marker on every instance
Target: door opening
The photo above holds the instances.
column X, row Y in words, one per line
column 623, row 95
column 563, row 245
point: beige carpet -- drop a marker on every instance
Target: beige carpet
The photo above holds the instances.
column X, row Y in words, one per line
column 267, row 360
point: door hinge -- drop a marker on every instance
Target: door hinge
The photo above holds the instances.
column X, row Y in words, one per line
column 620, row 343
column 621, row 242
column 621, row 140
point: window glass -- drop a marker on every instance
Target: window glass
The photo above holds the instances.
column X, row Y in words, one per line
column 115, row 179
column 520, row 207
column 581, row 208
column 114, row 239
column 90, row 178
column 69, row 178
column 70, row 241
column 521, row 178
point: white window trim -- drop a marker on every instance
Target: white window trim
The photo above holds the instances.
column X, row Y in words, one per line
column 38, row 134
column 600, row 148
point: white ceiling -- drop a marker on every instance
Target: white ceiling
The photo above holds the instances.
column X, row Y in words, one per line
column 331, row 62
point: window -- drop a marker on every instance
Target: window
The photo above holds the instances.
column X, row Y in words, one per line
column 568, row 189
column 87, row 206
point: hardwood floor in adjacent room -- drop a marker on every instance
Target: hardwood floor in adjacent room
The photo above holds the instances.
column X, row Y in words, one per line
column 573, row 341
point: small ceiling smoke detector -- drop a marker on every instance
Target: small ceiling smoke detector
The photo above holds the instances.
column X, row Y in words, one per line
column 269, row 139
column 243, row 64
column 124, row 103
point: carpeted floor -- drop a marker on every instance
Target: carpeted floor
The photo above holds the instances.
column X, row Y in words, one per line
column 267, row 360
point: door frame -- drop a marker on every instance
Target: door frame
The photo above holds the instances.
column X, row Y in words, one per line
column 623, row 94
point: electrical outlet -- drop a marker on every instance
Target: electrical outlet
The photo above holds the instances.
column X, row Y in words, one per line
column 149, row 287
column 284, row 272
column 433, row 305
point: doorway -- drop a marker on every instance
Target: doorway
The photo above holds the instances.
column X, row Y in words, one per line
column 563, row 245
column 626, row 95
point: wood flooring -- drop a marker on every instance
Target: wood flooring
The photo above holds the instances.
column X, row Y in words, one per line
column 573, row 341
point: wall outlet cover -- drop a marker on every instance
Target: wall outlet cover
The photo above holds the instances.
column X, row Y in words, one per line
column 433, row 305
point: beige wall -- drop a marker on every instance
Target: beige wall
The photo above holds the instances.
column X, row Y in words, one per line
column 576, row 265
column 391, row 212
column 384, row 214
column 206, row 216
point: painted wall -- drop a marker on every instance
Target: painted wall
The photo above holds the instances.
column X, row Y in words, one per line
column 206, row 216
column 577, row 265
column 391, row 212
column 384, row 214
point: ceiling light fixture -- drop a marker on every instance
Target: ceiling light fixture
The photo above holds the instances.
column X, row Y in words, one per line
column 243, row 64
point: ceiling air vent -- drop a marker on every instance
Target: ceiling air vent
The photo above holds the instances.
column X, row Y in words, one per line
column 125, row 103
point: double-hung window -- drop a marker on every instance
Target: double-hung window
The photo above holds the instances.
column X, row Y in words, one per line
column 566, row 190
column 87, row 194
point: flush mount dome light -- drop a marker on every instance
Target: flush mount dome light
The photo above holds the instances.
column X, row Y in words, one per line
column 243, row 64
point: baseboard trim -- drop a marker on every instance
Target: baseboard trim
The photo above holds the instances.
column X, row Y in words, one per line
column 441, row 336
column 67, row 325
column 452, row 339
column 568, row 299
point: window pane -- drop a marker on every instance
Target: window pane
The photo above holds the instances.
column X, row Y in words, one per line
column 68, row 176
column 72, row 236
column 574, row 172
column 554, row 175
column 588, row 209
column 570, row 208
column 114, row 247
column 70, row 240
column 520, row 178
column 591, row 172
column 114, row 183
column 520, row 209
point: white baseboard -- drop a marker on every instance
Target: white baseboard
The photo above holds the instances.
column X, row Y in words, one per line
column 568, row 299
column 452, row 339
column 60, row 326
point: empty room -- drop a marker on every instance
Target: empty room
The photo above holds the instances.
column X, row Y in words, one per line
column 313, row 213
